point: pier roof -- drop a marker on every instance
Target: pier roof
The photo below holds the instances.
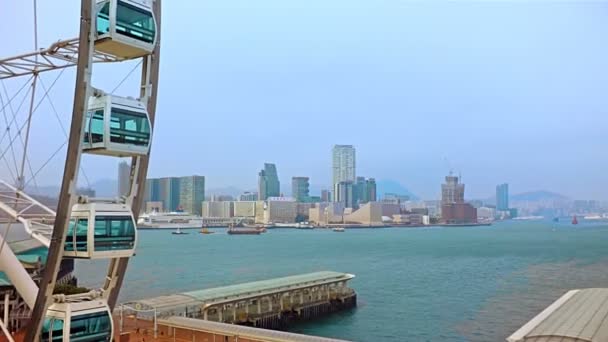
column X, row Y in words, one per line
column 248, row 333
column 578, row 316
column 240, row 291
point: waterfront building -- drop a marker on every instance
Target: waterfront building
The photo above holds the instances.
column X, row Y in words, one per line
column 124, row 175
column 192, row 194
column 369, row 214
column 217, row 209
column 303, row 211
column 453, row 208
column 326, row 212
column 343, row 165
column 248, row 196
column 280, row 210
column 370, row 185
column 486, row 213
column 268, row 182
column 154, row 207
column 300, row 189
column 244, row 209
column 502, row 197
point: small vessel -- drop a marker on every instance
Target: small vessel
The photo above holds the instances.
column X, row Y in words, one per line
column 262, row 229
column 206, row 231
column 244, row 231
column 178, row 232
column 574, row 220
column 339, row 229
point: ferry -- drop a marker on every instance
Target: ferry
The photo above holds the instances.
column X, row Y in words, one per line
column 170, row 220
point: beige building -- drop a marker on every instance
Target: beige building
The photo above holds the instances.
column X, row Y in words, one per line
column 326, row 212
column 154, row 206
column 276, row 210
column 244, row 209
column 217, row 209
column 369, row 214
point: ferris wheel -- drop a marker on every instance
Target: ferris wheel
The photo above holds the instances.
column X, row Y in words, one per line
column 102, row 123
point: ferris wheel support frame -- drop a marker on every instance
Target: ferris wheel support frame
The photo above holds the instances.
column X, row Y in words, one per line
column 70, row 174
column 139, row 165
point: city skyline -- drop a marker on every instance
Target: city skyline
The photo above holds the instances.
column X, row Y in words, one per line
column 522, row 94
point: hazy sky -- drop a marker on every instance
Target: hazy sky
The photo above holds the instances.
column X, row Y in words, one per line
column 509, row 91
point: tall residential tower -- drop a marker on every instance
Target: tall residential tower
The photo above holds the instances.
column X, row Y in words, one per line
column 124, row 173
column 343, row 165
column 502, row 197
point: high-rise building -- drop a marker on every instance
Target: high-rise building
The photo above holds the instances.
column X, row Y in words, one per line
column 325, row 196
column 300, row 189
column 124, row 175
column 343, row 165
column 453, row 208
column 502, row 197
column 268, row 182
column 169, row 192
column 345, row 194
column 371, row 190
column 192, row 194
column 452, row 191
column 152, row 191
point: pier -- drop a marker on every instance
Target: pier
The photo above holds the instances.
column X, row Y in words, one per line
column 269, row 304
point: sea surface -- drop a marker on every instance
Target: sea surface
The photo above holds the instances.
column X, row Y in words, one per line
column 413, row 284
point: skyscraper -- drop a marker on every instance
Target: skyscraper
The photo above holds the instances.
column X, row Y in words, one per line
column 300, row 189
column 268, row 182
column 343, row 160
column 345, row 194
column 124, row 174
column 452, row 191
column 192, row 193
column 502, row 197
column 169, row 192
column 325, row 195
column 453, row 208
column 371, row 189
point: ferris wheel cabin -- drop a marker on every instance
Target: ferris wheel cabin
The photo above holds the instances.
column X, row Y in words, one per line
column 125, row 28
column 84, row 321
column 116, row 126
column 100, row 230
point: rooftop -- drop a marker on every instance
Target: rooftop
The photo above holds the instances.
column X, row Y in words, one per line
column 242, row 291
column 578, row 316
column 29, row 252
column 248, row 333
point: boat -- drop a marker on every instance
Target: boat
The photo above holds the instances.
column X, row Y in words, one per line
column 339, row 229
column 262, row 229
column 178, row 232
column 574, row 220
column 170, row 220
column 244, row 231
column 206, row 231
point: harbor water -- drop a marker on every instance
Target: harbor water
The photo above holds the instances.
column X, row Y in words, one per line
column 413, row 284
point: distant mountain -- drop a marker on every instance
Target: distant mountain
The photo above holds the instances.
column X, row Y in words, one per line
column 384, row 186
column 540, row 195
